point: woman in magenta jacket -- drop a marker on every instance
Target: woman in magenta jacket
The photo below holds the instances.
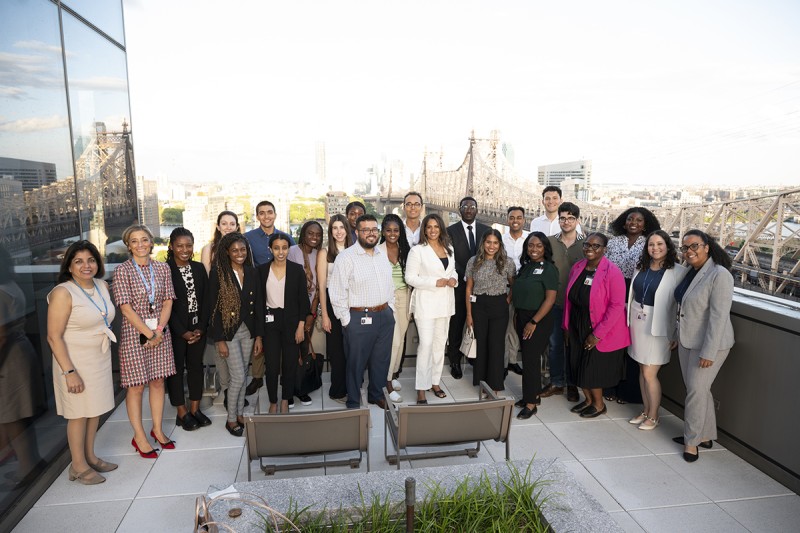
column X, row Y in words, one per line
column 594, row 320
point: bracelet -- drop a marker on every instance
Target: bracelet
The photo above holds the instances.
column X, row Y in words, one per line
column 67, row 372
column 534, row 322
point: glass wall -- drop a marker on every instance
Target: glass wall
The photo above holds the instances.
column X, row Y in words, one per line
column 66, row 173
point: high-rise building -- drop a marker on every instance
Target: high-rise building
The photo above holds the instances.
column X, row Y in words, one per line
column 147, row 194
column 31, row 174
column 200, row 216
column 574, row 178
column 321, row 166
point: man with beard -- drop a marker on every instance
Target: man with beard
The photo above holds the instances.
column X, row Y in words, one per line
column 513, row 241
column 362, row 296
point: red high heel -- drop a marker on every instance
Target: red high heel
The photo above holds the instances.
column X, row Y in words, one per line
column 169, row 445
column 147, row 455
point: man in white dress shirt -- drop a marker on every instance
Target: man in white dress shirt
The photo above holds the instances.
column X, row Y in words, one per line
column 412, row 207
column 548, row 223
column 513, row 240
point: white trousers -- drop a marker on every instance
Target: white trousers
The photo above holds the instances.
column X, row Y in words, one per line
column 401, row 302
column 430, row 351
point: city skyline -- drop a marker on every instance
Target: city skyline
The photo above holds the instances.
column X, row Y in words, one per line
column 676, row 93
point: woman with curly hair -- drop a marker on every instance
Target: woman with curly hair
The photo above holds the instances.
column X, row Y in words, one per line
column 534, row 295
column 489, row 274
column 237, row 318
column 625, row 250
column 651, row 318
column 339, row 238
column 394, row 243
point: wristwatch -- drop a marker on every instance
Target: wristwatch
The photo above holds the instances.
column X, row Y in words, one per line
column 533, row 321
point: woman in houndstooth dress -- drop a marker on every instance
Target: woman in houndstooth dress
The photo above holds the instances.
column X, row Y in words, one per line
column 143, row 291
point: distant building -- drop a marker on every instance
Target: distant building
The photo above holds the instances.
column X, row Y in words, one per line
column 147, row 196
column 322, row 174
column 335, row 203
column 32, row 174
column 578, row 176
column 200, row 217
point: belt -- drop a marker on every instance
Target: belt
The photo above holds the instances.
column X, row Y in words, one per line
column 373, row 309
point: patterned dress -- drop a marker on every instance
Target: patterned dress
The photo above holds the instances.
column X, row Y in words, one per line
column 140, row 364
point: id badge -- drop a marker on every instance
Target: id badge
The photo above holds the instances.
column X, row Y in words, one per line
column 538, row 271
column 269, row 318
column 366, row 321
column 588, row 281
column 151, row 323
column 473, row 298
column 195, row 320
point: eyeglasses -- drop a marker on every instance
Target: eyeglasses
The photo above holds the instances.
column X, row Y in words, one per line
column 567, row 219
column 415, row 205
column 693, row 247
column 593, row 246
column 469, row 207
column 367, row 231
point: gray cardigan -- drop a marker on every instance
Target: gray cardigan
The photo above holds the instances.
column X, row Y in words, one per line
column 704, row 317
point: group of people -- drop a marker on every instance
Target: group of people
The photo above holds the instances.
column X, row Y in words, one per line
column 255, row 298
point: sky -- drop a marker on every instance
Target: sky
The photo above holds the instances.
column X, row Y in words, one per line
column 665, row 92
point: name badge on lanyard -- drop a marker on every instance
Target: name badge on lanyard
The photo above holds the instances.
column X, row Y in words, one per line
column 366, row 321
column 269, row 317
column 538, row 271
column 473, row 298
column 195, row 320
column 588, row 281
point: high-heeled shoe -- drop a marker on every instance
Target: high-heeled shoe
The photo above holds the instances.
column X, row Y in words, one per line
column 152, row 454
column 103, row 466
column 87, row 477
column 169, row 445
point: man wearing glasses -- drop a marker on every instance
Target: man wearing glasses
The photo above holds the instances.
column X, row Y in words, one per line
column 362, row 297
column 465, row 236
column 412, row 207
column 567, row 250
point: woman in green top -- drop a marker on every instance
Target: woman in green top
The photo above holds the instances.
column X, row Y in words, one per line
column 534, row 295
column 395, row 243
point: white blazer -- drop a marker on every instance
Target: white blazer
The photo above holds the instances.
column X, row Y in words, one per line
column 423, row 268
column 665, row 308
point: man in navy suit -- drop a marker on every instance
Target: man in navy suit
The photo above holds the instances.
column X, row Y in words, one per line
column 465, row 236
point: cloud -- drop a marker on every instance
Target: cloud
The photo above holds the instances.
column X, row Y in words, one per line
column 11, row 92
column 107, row 83
column 27, row 125
column 39, row 46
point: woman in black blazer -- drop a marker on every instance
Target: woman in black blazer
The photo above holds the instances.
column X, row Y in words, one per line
column 237, row 318
column 285, row 310
column 187, row 323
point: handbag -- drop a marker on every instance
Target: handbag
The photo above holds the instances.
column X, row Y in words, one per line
column 468, row 345
column 309, row 370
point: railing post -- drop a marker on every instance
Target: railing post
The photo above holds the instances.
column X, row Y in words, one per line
column 411, row 498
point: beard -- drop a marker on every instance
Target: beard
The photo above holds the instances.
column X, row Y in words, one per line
column 365, row 244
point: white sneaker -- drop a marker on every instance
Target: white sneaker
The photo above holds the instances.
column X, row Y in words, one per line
column 395, row 397
column 396, row 385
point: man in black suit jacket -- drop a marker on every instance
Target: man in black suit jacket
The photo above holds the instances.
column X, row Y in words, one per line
column 465, row 236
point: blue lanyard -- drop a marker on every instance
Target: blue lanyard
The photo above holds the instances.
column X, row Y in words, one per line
column 104, row 311
column 151, row 289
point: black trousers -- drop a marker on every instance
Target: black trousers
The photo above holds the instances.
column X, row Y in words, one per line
column 490, row 321
column 336, row 357
column 281, row 353
column 532, row 350
column 190, row 357
column 457, row 321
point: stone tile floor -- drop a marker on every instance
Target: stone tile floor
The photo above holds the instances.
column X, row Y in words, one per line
column 637, row 476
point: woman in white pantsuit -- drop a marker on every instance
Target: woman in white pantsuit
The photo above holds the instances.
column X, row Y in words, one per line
column 651, row 318
column 431, row 270
column 705, row 335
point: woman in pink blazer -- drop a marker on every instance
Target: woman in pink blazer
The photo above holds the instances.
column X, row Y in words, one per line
column 596, row 329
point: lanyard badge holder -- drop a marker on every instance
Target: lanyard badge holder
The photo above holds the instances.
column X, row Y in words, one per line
column 366, row 320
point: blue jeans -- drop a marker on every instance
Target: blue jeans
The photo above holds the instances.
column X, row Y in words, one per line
column 556, row 359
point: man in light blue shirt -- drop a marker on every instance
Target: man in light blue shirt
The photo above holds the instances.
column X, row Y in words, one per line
column 259, row 237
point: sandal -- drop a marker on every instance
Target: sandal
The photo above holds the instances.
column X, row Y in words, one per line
column 439, row 393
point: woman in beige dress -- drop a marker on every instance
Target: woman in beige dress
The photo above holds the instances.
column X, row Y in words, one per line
column 79, row 332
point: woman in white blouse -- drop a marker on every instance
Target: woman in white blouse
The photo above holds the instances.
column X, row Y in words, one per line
column 431, row 270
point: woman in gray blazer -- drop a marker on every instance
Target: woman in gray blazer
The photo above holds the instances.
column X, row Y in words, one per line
column 705, row 335
column 651, row 318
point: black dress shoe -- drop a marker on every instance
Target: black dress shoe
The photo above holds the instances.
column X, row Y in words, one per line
column 690, row 457
column 253, row 387
column 551, row 390
column 202, row 419
column 380, row 403
column 707, row 444
column 572, row 393
column 515, row 368
column 580, row 407
column 526, row 413
column 455, row 371
column 187, row 422
column 520, row 403
column 592, row 412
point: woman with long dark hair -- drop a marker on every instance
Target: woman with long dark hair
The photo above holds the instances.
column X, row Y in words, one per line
column 79, row 333
column 651, row 318
column 489, row 274
column 339, row 238
column 237, row 318
column 143, row 292
column 188, row 322
column 285, row 312
column 534, row 295
column 705, row 335
column 431, row 270
column 394, row 243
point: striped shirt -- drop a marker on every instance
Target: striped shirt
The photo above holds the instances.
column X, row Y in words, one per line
column 360, row 280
